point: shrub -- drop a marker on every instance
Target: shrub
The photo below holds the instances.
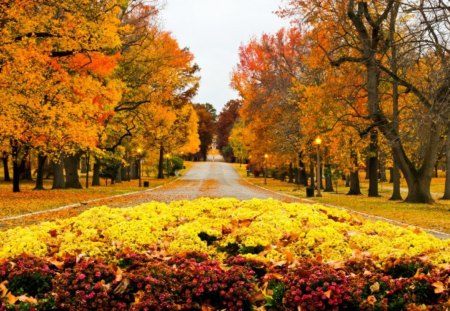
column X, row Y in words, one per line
column 314, row 286
column 27, row 276
column 86, row 286
column 176, row 163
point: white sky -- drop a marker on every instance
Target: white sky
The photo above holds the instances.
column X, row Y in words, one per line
column 213, row 30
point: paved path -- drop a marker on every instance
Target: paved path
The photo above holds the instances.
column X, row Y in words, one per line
column 209, row 179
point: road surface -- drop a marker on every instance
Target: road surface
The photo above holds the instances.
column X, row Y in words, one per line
column 208, row 179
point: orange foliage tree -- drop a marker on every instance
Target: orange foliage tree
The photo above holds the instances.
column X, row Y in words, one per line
column 46, row 98
column 80, row 76
column 403, row 43
column 264, row 77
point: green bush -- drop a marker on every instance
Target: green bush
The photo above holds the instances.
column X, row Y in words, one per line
column 176, row 164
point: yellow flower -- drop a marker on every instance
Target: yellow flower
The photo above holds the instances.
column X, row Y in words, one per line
column 284, row 230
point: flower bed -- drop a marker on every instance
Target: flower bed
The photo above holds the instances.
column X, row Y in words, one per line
column 194, row 282
column 240, row 254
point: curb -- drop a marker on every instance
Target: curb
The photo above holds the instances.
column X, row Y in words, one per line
column 437, row 234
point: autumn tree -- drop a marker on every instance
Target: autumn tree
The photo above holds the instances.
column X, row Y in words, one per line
column 40, row 39
column 206, row 127
column 161, row 79
column 75, row 79
column 264, row 78
column 157, row 76
column 237, row 140
column 225, row 123
column 357, row 32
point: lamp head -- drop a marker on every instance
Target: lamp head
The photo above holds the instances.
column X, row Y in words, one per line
column 318, row 141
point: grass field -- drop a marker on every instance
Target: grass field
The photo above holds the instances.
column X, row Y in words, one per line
column 430, row 216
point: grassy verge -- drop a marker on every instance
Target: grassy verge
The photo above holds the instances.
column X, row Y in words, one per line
column 430, row 216
column 28, row 200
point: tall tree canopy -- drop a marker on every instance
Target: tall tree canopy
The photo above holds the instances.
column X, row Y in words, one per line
column 89, row 77
column 399, row 43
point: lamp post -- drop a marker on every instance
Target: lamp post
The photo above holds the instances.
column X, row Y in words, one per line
column 266, row 156
column 139, row 151
column 318, row 141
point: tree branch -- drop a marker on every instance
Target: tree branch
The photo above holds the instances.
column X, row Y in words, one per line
column 345, row 59
column 408, row 85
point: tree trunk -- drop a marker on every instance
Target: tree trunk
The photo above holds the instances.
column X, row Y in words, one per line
column 328, row 178
column 96, row 173
column 18, row 165
column 321, row 179
column 58, row 175
column 418, row 179
column 88, row 168
column 84, row 164
column 49, row 170
column 347, row 180
column 134, row 169
column 382, row 167
column 40, row 172
column 161, row 163
column 419, row 189
column 396, row 193
column 311, row 174
column 373, row 164
column 6, row 176
column 71, row 167
column 17, row 171
column 447, row 166
column 290, row 173
column 354, row 183
column 303, row 177
column 354, row 175
column 125, row 173
column 395, row 172
column 118, row 177
column 367, row 169
column 26, row 172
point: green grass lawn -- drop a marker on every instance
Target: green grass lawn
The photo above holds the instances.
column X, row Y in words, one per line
column 431, row 216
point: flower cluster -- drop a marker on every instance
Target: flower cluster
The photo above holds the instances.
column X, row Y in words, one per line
column 85, row 285
column 265, row 230
column 313, row 286
column 195, row 282
column 190, row 281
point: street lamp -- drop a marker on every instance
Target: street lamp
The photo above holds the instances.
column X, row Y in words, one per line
column 266, row 156
column 139, row 151
column 318, row 141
